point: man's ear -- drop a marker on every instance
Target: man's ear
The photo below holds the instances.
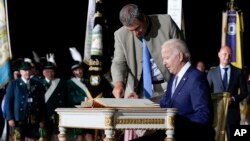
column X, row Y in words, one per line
column 181, row 56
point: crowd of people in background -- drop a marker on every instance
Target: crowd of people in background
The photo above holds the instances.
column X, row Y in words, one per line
column 35, row 91
column 33, row 94
column 66, row 93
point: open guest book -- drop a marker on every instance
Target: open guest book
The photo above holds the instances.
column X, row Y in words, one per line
column 118, row 103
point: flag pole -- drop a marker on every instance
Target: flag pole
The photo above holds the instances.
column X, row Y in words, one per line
column 88, row 32
column 224, row 28
column 7, row 27
column 234, row 34
column 231, row 5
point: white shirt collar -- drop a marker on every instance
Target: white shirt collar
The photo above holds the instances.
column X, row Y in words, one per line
column 182, row 72
column 77, row 78
column 222, row 71
column 227, row 66
column 47, row 80
column 25, row 81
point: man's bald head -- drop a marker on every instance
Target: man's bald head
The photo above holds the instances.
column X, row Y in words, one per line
column 225, row 55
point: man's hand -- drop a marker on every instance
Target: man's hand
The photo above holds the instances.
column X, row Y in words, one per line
column 231, row 100
column 11, row 123
column 118, row 90
column 132, row 95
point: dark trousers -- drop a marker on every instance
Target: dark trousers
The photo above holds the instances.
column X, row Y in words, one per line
column 160, row 136
column 22, row 130
column 230, row 131
column 156, row 136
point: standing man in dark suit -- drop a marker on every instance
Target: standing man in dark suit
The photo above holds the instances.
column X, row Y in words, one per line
column 24, row 104
column 232, row 83
column 187, row 91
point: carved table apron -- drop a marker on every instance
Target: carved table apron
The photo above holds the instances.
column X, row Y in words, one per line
column 111, row 119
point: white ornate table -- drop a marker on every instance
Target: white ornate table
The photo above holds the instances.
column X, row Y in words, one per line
column 111, row 119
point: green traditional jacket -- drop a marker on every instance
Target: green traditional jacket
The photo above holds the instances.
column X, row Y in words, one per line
column 77, row 91
column 55, row 96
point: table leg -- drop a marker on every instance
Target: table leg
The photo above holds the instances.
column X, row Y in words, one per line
column 109, row 135
column 169, row 139
column 62, row 134
column 170, row 135
column 170, row 127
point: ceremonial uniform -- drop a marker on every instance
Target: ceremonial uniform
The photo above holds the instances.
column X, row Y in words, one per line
column 77, row 91
column 55, row 97
column 36, row 78
column 25, row 105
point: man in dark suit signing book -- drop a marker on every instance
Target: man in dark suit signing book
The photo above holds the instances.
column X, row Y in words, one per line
column 187, row 91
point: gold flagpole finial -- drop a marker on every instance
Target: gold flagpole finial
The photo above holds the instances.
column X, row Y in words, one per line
column 98, row 14
column 98, row 1
column 232, row 6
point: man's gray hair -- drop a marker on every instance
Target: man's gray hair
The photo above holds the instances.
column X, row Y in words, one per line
column 129, row 13
column 178, row 45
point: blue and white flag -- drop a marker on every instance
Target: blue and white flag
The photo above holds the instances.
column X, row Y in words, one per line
column 5, row 52
column 231, row 33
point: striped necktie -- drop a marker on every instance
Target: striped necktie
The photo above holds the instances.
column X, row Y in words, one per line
column 174, row 85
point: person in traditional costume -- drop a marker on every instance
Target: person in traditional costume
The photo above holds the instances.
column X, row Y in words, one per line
column 55, row 97
column 25, row 106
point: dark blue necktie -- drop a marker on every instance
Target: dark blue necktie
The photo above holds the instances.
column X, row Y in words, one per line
column 147, row 78
column 225, row 79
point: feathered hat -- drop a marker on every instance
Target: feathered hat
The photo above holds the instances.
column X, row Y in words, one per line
column 77, row 63
column 50, row 61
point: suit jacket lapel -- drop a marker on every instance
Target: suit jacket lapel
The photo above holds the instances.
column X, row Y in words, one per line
column 137, row 54
column 168, row 93
column 23, row 85
column 181, row 83
column 218, row 75
column 231, row 78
